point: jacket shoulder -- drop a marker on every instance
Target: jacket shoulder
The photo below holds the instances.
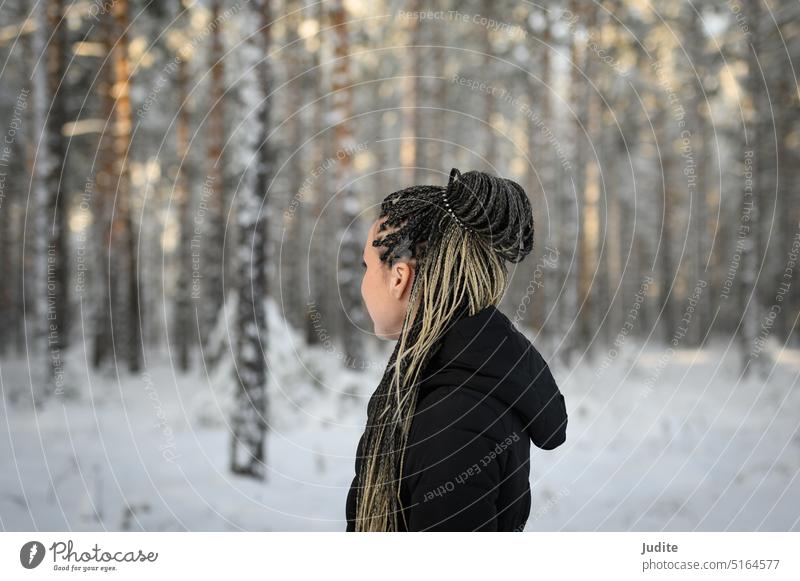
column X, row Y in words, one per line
column 458, row 407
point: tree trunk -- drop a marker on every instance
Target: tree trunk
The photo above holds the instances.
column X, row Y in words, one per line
column 127, row 237
column 57, row 252
column 249, row 420
column 749, row 240
column 318, row 301
column 295, row 251
column 588, row 177
column 347, row 205
column 214, row 186
column 184, row 330
column 103, row 202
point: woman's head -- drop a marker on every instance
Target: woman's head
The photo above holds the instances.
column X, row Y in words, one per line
column 494, row 225
column 385, row 287
column 433, row 255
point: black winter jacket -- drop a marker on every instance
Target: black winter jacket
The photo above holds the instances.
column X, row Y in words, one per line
column 483, row 398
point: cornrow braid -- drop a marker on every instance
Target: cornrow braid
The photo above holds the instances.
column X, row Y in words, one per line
column 461, row 236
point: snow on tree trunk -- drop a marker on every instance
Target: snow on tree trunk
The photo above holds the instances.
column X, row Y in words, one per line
column 249, row 423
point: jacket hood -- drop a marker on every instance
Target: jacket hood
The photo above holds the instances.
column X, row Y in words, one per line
column 486, row 353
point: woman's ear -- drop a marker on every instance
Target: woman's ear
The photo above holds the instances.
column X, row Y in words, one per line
column 400, row 279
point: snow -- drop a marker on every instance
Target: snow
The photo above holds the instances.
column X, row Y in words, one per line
column 701, row 450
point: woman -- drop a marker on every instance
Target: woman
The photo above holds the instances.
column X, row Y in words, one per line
column 447, row 441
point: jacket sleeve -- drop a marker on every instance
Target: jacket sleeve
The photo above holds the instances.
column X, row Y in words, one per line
column 453, row 470
column 350, row 505
column 549, row 429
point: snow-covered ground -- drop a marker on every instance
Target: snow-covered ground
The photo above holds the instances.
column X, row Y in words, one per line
column 656, row 441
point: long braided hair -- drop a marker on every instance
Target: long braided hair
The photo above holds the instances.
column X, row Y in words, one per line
column 460, row 237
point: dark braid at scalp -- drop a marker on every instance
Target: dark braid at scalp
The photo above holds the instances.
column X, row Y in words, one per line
column 493, row 207
column 460, row 237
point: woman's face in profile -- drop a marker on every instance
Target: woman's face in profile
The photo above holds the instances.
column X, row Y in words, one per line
column 385, row 289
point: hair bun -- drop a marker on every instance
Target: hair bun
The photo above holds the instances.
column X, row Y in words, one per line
column 496, row 208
